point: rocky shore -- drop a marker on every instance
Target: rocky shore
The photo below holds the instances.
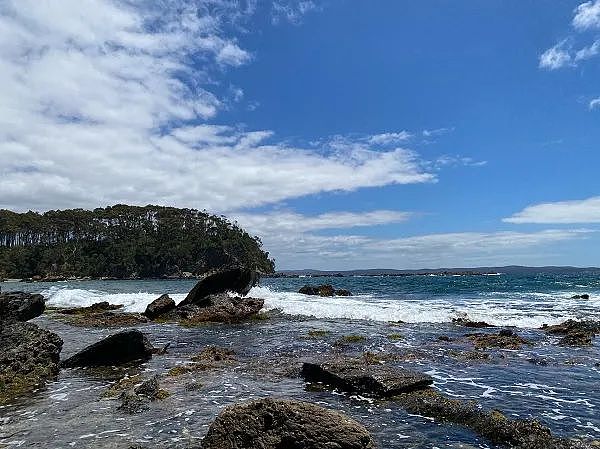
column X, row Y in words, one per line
column 353, row 366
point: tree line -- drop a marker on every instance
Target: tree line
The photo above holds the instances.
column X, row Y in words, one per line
column 123, row 242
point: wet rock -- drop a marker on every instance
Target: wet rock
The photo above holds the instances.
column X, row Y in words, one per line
column 444, row 338
column 323, row 290
column 238, row 280
column 466, row 322
column 210, row 357
column 94, row 308
column 159, row 306
column 279, row 424
column 20, row 306
column 214, row 354
column 575, row 333
column 28, row 357
column 356, row 376
column 584, row 296
column 219, row 308
column 505, row 339
column 104, row 319
column 117, row 349
column 525, row 434
column 137, row 399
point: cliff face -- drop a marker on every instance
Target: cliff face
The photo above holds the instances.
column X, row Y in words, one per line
column 123, row 242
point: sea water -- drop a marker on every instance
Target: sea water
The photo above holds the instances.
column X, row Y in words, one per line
column 553, row 384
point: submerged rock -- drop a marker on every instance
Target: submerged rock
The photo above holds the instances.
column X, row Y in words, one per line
column 356, row 376
column 280, row 423
column 323, row 290
column 97, row 307
column 20, row 306
column 220, row 308
column 505, row 339
column 467, row 322
column 138, row 398
column 584, row 296
column 117, row 349
column 159, row 306
column 525, row 434
column 28, row 357
column 238, row 280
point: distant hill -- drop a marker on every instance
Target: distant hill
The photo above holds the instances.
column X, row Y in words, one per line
column 123, row 242
column 510, row 269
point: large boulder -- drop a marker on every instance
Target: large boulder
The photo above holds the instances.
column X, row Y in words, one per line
column 356, row 376
column 323, row 290
column 117, row 349
column 220, row 308
column 20, row 306
column 280, row 423
column 238, row 280
column 28, row 357
column 159, row 306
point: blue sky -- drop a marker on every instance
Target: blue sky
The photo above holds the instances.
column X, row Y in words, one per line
column 346, row 134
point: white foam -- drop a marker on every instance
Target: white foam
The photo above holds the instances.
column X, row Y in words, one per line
column 529, row 310
column 75, row 297
column 521, row 310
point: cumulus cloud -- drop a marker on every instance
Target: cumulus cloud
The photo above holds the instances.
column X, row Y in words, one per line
column 110, row 107
column 561, row 212
column 587, row 15
column 295, row 243
column 555, row 57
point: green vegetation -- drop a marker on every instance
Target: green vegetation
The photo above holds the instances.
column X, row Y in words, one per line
column 395, row 337
column 350, row 339
column 318, row 333
column 123, row 242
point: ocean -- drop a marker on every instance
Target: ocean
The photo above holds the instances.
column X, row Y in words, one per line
column 554, row 384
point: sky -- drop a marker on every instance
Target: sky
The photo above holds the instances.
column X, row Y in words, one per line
column 346, row 134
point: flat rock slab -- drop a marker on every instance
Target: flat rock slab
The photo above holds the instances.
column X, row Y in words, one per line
column 285, row 424
column 358, row 377
column 117, row 349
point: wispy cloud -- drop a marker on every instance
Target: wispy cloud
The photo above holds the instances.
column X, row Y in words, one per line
column 109, row 107
column 561, row 212
column 287, row 221
column 293, row 241
column 595, row 103
column 390, row 138
column 292, row 10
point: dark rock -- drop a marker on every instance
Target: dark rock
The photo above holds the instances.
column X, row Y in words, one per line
column 355, row 376
column 323, row 290
column 28, row 357
column 219, row 308
column 238, row 280
column 525, row 434
column 575, row 333
column 584, row 296
column 98, row 307
column 117, row 349
column 505, row 339
column 159, row 306
column 444, row 338
column 137, row 399
column 105, row 319
column 214, row 354
column 466, row 322
column 284, row 424
column 20, row 306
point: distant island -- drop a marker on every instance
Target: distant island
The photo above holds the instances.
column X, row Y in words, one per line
column 474, row 271
column 123, row 242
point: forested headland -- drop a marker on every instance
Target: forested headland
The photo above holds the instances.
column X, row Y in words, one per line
column 123, row 242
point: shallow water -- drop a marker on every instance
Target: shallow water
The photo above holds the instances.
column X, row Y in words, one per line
column 556, row 385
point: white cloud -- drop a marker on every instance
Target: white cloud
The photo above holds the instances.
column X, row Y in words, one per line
column 289, row 238
column 285, row 222
column 292, row 10
column 595, row 103
column 588, row 52
column 587, row 15
column 562, row 212
column 555, row 57
column 436, row 132
column 389, row 138
column 105, row 107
